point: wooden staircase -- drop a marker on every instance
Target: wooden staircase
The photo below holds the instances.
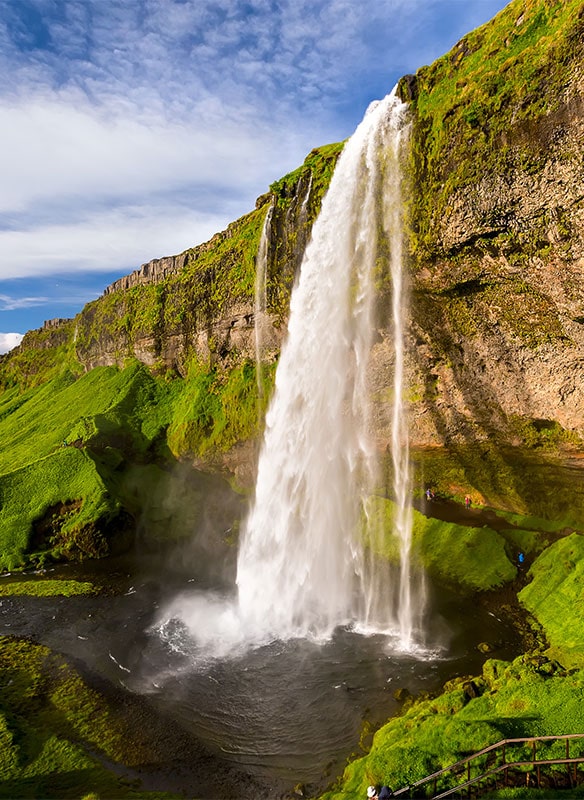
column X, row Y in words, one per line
column 546, row 762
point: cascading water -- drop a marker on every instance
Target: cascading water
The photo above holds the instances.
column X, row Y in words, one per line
column 260, row 298
column 302, row 569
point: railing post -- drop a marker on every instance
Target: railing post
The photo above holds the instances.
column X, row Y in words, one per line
column 567, row 765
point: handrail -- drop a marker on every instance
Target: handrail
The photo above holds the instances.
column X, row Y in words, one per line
column 504, row 766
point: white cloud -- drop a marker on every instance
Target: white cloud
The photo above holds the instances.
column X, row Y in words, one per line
column 104, row 241
column 8, row 341
column 125, row 125
column 56, row 146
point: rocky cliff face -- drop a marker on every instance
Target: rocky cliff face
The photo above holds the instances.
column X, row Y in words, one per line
column 498, row 297
column 495, row 222
column 201, row 303
column 498, row 314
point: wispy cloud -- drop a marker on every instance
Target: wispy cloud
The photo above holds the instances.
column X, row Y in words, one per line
column 12, row 303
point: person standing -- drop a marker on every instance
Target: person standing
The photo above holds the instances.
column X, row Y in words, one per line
column 384, row 793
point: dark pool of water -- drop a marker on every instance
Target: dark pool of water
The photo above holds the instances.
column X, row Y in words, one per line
column 284, row 713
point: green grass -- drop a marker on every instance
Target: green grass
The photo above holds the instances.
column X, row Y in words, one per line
column 556, row 598
column 528, row 697
column 67, row 477
column 72, row 445
column 47, row 588
column 64, row 444
column 103, row 403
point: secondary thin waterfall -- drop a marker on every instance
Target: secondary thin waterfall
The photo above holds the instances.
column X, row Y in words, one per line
column 302, row 566
column 260, row 298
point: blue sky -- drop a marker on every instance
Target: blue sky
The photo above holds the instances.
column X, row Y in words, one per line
column 133, row 129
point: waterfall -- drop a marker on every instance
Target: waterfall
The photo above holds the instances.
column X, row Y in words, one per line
column 399, row 432
column 303, row 568
column 260, row 298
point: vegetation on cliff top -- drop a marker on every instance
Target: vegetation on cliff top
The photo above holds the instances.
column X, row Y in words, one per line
column 471, row 105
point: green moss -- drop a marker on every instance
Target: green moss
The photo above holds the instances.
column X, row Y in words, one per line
column 56, row 732
column 473, row 559
column 555, row 598
column 47, row 588
column 471, row 104
column 320, row 164
column 217, row 408
column 528, row 697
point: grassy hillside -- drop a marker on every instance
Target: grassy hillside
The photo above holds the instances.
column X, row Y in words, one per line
column 72, row 449
column 63, row 444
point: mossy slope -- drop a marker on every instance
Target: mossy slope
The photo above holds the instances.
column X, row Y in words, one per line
column 538, row 694
column 470, row 558
column 528, row 697
column 56, row 733
column 555, row 597
column 74, row 447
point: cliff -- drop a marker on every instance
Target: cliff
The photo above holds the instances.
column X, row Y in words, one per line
column 497, row 242
column 495, row 335
column 499, row 260
column 200, row 304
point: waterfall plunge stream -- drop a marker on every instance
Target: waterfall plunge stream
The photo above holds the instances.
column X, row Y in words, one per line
column 307, row 561
column 302, row 567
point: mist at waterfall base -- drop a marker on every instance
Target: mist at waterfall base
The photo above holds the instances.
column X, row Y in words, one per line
column 303, row 568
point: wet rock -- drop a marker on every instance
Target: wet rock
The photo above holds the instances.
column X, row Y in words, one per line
column 485, row 647
column 471, row 690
